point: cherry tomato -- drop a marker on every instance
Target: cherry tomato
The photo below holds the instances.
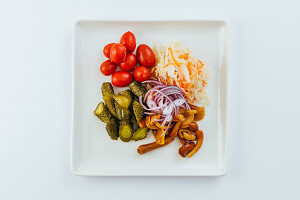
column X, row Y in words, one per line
column 145, row 55
column 108, row 67
column 128, row 40
column 141, row 73
column 129, row 63
column 121, row 78
column 118, row 53
column 106, row 49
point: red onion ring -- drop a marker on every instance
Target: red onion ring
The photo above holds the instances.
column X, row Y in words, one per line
column 163, row 100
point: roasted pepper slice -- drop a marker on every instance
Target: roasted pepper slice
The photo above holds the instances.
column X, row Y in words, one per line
column 199, row 115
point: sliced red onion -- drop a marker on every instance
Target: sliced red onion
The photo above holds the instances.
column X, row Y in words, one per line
column 168, row 110
column 164, row 122
column 153, row 81
column 169, row 119
column 158, row 120
column 149, row 113
column 179, row 102
column 164, row 100
column 151, row 103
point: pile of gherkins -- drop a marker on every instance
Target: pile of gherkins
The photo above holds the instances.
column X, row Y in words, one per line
column 122, row 112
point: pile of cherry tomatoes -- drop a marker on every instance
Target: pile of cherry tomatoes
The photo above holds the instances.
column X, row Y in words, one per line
column 121, row 54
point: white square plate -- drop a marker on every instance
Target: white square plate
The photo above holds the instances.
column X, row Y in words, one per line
column 94, row 153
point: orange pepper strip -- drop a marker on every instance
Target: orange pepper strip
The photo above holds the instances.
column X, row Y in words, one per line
column 173, row 57
column 142, row 123
column 199, row 134
column 166, row 65
column 160, row 136
column 188, row 96
column 153, row 69
column 175, row 130
column 153, row 145
column 189, row 67
column 194, row 99
column 149, row 123
column 201, row 63
column 159, row 125
column 192, row 76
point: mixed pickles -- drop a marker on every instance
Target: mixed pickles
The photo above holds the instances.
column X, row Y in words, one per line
column 122, row 113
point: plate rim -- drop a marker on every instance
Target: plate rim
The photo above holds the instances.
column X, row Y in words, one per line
column 214, row 172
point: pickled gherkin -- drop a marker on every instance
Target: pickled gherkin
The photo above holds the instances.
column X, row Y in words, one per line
column 124, row 122
column 122, row 113
column 112, row 128
column 135, row 125
column 138, row 111
column 138, row 89
column 123, row 101
column 127, row 93
column 125, row 130
column 102, row 113
column 107, row 89
column 107, row 93
column 110, row 103
column 140, row 134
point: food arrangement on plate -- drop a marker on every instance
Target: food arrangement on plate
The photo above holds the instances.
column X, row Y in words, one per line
column 163, row 93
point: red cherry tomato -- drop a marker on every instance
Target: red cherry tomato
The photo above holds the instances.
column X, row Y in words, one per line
column 141, row 73
column 108, row 67
column 121, row 78
column 118, row 53
column 128, row 40
column 129, row 63
column 145, row 55
column 106, row 49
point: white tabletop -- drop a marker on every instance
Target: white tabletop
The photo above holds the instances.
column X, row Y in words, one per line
column 35, row 95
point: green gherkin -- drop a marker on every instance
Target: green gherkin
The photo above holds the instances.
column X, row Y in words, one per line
column 138, row 111
column 122, row 113
column 110, row 103
column 107, row 89
column 127, row 93
column 107, row 93
column 123, row 101
column 125, row 130
column 135, row 125
column 112, row 128
column 138, row 89
column 102, row 113
column 140, row 134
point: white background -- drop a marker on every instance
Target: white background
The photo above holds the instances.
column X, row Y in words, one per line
column 35, row 101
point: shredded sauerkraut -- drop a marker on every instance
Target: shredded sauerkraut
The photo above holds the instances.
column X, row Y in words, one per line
column 176, row 66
